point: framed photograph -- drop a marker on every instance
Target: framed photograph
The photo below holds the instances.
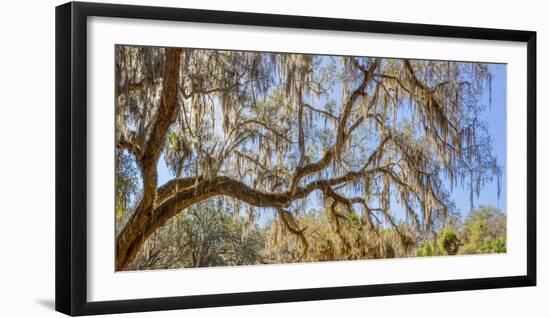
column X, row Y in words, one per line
column 208, row 158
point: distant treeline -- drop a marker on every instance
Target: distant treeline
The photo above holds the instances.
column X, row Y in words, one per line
column 212, row 234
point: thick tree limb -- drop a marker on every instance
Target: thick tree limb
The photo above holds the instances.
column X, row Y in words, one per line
column 174, row 203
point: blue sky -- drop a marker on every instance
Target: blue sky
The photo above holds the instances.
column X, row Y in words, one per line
column 494, row 115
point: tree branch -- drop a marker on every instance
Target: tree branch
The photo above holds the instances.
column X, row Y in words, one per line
column 317, row 110
column 125, row 143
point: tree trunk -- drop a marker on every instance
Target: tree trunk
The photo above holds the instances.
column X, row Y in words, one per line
column 167, row 114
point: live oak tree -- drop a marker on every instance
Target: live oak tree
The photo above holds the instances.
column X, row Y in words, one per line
column 272, row 133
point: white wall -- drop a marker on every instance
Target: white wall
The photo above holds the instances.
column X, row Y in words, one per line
column 27, row 158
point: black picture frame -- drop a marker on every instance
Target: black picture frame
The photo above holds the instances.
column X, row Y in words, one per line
column 71, row 157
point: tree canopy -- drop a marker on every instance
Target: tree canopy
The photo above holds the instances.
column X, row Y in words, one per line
column 277, row 133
